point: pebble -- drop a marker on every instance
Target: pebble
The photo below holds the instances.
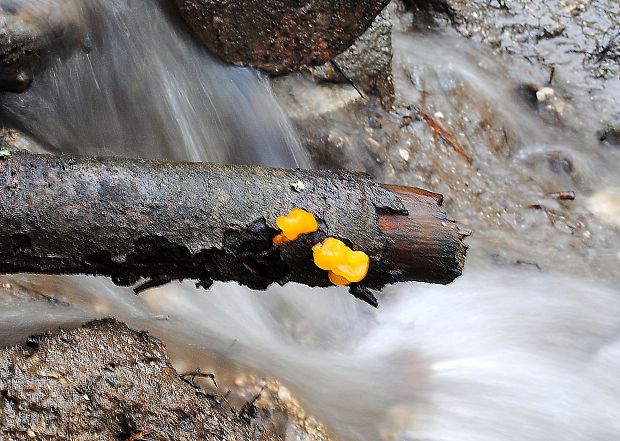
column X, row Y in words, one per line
column 545, row 94
column 298, row 186
column 605, row 205
column 284, row 394
column 404, row 154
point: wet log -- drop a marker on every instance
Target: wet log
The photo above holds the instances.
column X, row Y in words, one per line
column 132, row 219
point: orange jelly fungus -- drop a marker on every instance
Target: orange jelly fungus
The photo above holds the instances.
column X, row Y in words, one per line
column 279, row 239
column 296, row 223
column 329, row 253
column 354, row 266
column 343, row 263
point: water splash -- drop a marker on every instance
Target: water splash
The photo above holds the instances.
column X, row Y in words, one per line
column 497, row 353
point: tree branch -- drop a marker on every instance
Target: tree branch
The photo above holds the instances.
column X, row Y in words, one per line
column 130, row 219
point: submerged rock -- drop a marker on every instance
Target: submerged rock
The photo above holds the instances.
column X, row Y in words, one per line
column 605, row 205
column 279, row 36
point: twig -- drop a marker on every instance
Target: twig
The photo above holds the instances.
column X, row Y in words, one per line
column 197, row 374
column 525, row 262
column 248, row 410
column 606, row 49
column 346, row 77
column 140, row 435
column 444, row 135
column 225, row 398
column 562, row 195
column 551, row 75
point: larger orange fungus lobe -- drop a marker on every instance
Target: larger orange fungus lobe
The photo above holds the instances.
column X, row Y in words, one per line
column 344, row 264
column 329, row 253
column 293, row 225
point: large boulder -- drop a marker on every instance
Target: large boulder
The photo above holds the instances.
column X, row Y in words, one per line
column 279, row 36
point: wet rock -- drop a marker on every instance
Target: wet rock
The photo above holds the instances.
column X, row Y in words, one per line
column 367, row 64
column 270, row 399
column 609, row 136
column 430, row 13
column 31, row 33
column 545, row 94
column 279, row 36
column 337, row 126
column 11, row 139
column 107, row 382
column 571, row 46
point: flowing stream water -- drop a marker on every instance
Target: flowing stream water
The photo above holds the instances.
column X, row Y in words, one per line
column 498, row 355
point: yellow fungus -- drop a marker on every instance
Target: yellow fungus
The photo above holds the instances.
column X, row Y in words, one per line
column 342, row 262
column 329, row 253
column 296, row 223
column 354, row 266
column 338, row 280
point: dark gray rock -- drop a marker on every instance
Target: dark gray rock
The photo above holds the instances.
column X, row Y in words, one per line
column 367, row 63
column 279, row 36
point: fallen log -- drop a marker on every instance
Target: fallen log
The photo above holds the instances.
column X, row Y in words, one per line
column 132, row 219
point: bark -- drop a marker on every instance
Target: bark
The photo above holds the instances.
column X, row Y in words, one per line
column 130, row 219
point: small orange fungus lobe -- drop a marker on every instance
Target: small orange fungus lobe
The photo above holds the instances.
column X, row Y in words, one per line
column 338, row 280
column 279, row 239
column 343, row 263
column 296, row 223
